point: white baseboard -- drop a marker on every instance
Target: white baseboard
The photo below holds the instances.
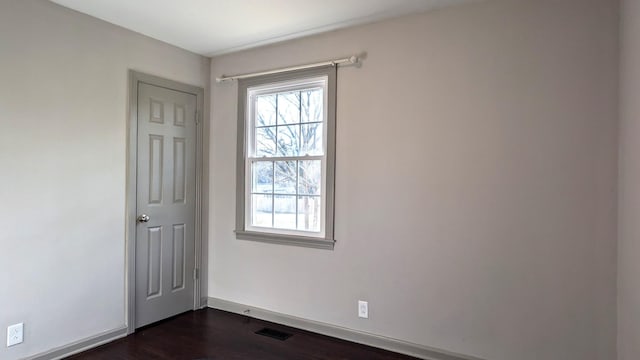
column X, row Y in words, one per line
column 395, row 345
column 81, row 345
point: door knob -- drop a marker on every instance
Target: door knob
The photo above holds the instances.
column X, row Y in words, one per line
column 143, row 218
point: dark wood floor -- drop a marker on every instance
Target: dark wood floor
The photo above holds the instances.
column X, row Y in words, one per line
column 210, row 334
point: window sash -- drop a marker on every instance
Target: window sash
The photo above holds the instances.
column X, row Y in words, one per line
column 300, row 84
column 273, row 229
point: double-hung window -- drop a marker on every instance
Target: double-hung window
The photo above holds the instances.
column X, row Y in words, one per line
column 286, row 156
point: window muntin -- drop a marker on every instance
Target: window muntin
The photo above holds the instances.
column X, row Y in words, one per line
column 286, row 157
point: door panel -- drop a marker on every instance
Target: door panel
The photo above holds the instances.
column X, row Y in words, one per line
column 166, row 175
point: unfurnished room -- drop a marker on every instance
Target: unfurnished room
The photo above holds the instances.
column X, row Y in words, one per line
column 320, row 180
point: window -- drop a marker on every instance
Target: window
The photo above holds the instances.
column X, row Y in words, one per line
column 286, row 156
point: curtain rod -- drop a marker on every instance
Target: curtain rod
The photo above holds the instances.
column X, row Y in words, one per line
column 350, row 60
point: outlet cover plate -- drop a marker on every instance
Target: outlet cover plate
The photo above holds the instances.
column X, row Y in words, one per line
column 363, row 309
column 15, row 334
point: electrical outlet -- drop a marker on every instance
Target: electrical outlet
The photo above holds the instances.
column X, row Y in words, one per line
column 15, row 334
column 363, row 309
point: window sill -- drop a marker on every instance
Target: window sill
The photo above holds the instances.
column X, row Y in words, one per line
column 303, row 241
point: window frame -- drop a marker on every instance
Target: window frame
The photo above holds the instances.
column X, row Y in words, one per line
column 286, row 80
column 296, row 85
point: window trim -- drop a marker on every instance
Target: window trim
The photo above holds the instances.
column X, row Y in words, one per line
column 328, row 241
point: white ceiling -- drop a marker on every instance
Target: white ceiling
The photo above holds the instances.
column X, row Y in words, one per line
column 213, row 27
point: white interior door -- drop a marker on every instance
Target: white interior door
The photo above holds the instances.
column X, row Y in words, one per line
column 166, row 184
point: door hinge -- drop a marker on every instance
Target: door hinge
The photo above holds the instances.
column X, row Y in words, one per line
column 195, row 274
column 197, row 118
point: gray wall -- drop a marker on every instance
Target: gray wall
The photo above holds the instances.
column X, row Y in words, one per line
column 475, row 189
column 629, row 186
column 63, row 111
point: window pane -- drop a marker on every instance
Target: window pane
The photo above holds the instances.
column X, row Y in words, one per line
column 261, row 214
column 288, row 108
column 310, row 177
column 262, row 177
column 285, row 177
column 311, row 138
column 311, row 105
column 288, row 140
column 309, row 213
column 285, row 212
column 265, row 141
column 266, row 110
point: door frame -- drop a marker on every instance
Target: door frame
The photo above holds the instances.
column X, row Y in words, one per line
column 135, row 78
